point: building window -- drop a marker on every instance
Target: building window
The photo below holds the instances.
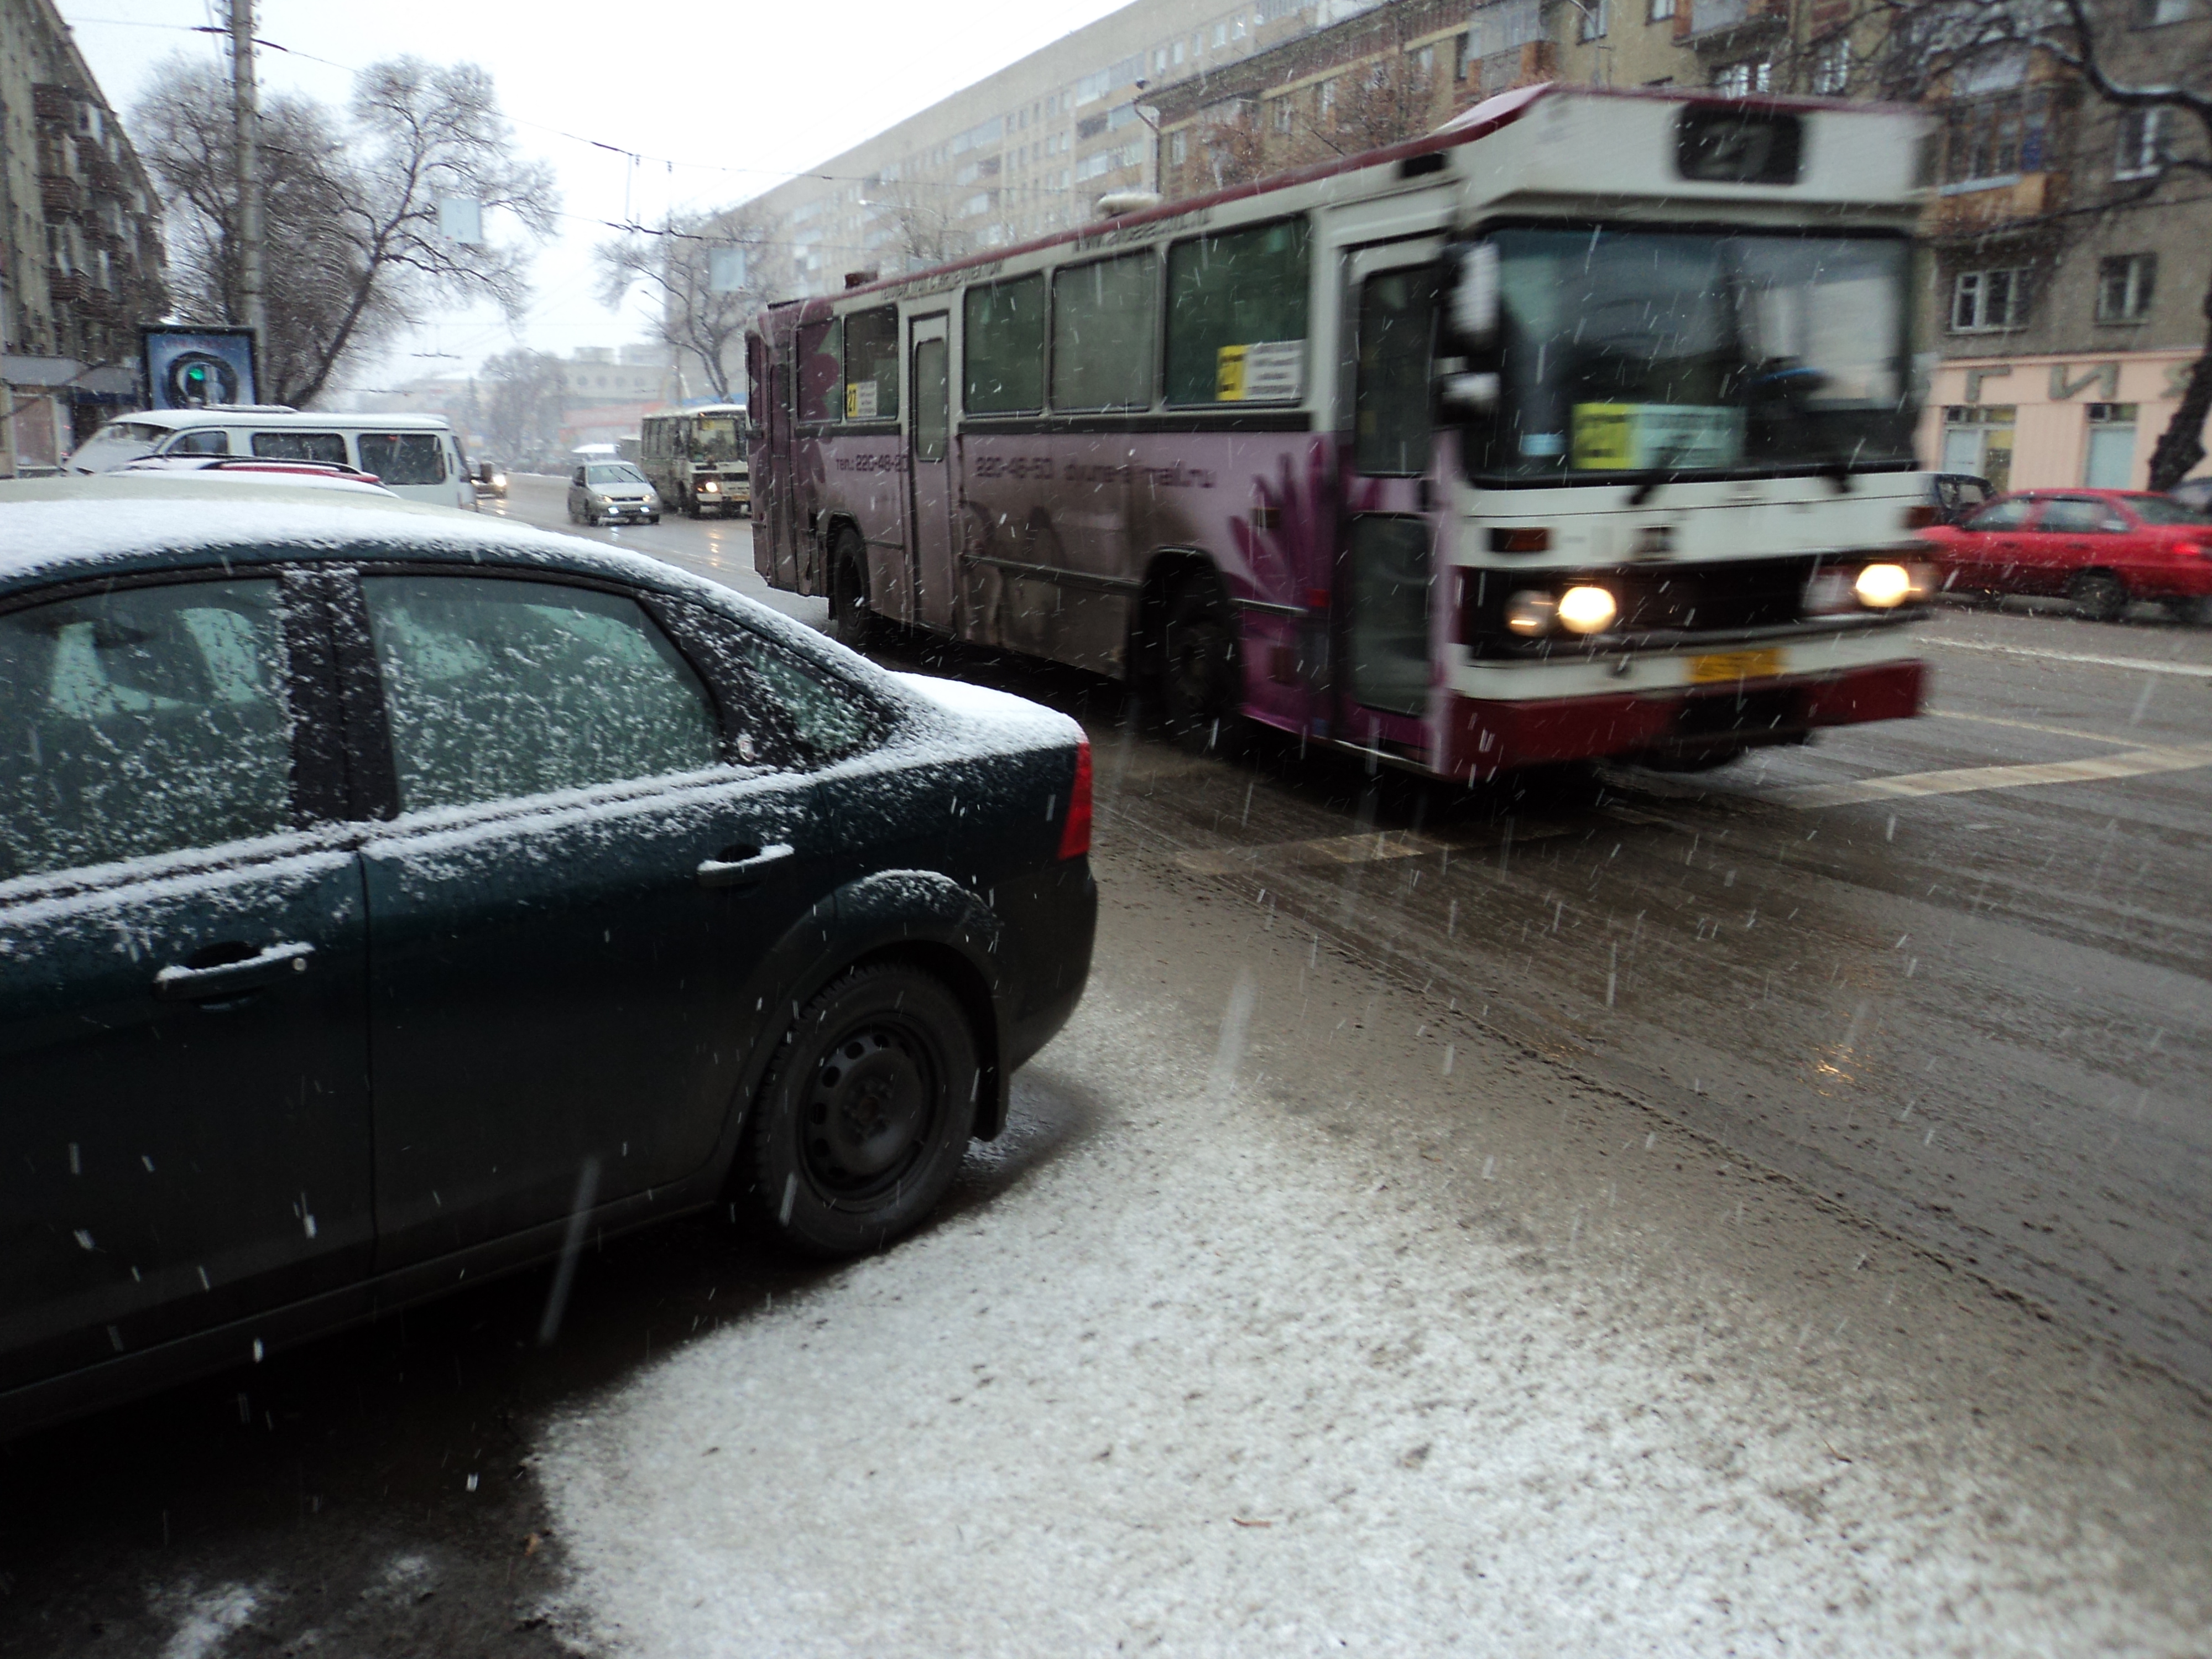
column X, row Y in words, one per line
column 2109, row 462
column 1281, row 108
column 2151, row 13
column 1831, row 67
column 1977, row 440
column 2143, row 149
column 1462, row 44
column 1994, row 138
column 2124, row 286
column 1425, row 63
column 1327, row 98
column 1592, row 16
column 1753, row 75
column 1178, row 148
column 1659, row 11
column 1985, row 301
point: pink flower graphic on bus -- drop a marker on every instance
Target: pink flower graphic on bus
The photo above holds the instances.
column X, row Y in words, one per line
column 1283, row 540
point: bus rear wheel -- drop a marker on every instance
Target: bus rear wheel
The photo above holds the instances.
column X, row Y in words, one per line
column 852, row 617
column 1196, row 666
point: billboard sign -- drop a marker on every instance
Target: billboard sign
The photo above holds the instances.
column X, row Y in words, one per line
column 192, row 368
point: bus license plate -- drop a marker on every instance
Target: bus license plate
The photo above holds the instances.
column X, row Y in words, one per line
column 1728, row 666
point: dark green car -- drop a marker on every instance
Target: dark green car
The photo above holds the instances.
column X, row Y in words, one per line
column 389, row 894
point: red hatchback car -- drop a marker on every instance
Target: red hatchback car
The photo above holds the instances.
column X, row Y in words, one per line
column 2100, row 547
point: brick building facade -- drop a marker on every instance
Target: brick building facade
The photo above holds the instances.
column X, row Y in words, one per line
column 80, row 263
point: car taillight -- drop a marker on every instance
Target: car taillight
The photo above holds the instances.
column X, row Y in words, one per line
column 1075, row 831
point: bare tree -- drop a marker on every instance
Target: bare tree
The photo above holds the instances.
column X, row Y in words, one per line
column 1385, row 101
column 923, row 232
column 354, row 244
column 521, row 403
column 675, row 265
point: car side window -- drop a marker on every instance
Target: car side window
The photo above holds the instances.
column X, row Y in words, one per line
column 497, row 688
column 142, row 721
column 404, row 457
column 329, row 447
column 579, row 478
column 825, row 715
column 2003, row 515
column 209, row 441
column 2071, row 515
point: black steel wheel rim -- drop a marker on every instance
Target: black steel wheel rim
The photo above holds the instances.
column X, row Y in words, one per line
column 874, row 1101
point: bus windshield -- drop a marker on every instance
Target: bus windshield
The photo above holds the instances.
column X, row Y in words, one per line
column 1642, row 351
column 717, row 438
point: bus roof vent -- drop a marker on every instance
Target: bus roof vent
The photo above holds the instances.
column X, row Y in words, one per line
column 1114, row 203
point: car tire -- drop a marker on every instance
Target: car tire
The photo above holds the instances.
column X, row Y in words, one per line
column 652, row 518
column 864, row 1114
column 851, row 616
column 1196, row 666
column 2098, row 595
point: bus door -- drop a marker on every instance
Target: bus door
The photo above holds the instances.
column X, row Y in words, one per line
column 932, row 508
column 1386, row 606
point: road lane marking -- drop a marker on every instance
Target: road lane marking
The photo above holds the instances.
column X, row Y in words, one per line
column 2027, row 726
column 2141, row 665
column 2130, row 763
column 1376, row 846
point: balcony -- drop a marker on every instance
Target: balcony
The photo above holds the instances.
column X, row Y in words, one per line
column 1717, row 22
column 67, row 286
column 1977, row 206
column 52, row 105
column 60, row 196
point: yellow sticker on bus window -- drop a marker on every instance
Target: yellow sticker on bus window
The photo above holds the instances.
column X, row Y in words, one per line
column 1229, row 374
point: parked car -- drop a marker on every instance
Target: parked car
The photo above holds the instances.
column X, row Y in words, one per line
column 491, row 479
column 2194, row 493
column 414, row 456
column 612, row 492
column 1957, row 495
column 2103, row 548
column 389, row 896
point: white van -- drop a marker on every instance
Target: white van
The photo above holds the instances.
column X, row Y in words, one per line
column 414, row 456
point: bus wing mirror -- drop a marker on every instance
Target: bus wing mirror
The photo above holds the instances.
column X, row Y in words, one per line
column 1475, row 297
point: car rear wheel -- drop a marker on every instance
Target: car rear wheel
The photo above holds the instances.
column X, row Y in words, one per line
column 865, row 1114
column 2099, row 595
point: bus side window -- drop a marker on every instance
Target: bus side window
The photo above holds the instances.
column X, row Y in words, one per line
column 209, row 441
column 1004, row 348
column 821, row 371
column 1103, row 316
column 872, row 365
column 1236, row 316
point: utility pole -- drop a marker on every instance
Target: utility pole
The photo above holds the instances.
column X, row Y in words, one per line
column 246, row 113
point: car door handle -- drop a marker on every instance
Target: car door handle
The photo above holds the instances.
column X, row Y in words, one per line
column 750, row 864
column 180, row 983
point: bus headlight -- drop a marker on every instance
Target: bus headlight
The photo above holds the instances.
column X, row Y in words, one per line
column 1883, row 586
column 1588, row 609
column 709, row 487
column 1529, row 613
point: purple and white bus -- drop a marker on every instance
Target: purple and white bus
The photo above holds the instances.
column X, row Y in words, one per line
column 1582, row 426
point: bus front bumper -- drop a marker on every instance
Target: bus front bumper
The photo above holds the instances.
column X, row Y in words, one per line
column 1488, row 736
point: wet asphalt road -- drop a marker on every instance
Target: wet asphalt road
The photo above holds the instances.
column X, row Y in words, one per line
column 1976, row 1015
column 1949, row 973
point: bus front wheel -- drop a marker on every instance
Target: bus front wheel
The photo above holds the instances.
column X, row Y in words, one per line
column 1196, row 666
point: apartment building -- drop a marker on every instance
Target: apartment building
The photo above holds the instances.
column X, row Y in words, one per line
column 1023, row 152
column 1402, row 68
column 80, row 263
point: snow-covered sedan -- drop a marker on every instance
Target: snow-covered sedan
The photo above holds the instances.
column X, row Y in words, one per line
column 389, row 897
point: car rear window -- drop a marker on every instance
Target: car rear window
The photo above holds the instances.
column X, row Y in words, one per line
column 2162, row 510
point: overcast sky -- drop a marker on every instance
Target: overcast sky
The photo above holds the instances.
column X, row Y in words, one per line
column 737, row 96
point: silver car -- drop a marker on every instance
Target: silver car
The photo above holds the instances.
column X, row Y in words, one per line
column 612, row 492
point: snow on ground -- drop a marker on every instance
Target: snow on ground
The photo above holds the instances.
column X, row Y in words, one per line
column 1208, row 1385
